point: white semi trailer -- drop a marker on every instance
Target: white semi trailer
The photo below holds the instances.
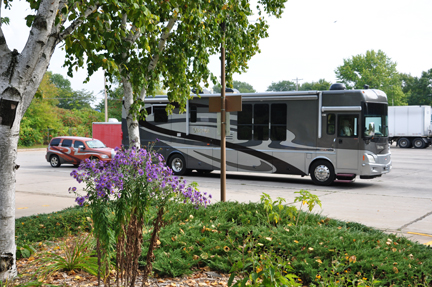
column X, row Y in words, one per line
column 410, row 126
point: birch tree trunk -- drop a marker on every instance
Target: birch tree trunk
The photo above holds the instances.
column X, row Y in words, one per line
column 131, row 119
column 20, row 77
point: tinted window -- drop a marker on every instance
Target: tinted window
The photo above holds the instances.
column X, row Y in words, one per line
column 261, row 122
column 331, row 123
column 160, row 114
column 55, row 142
column 278, row 122
column 77, row 144
column 245, row 116
column 244, row 123
column 193, row 114
column 261, row 114
column 66, row 143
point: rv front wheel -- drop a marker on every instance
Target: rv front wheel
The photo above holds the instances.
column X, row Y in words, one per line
column 178, row 164
column 322, row 173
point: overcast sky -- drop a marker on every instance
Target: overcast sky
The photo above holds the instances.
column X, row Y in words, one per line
column 309, row 42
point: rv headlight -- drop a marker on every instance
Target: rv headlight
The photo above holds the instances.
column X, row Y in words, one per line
column 370, row 158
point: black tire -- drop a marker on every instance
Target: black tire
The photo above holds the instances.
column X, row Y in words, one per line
column 322, row 172
column 404, row 143
column 418, row 143
column 55, row 161
column 178, row 164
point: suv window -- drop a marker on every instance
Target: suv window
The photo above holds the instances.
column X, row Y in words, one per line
column 77, row 144
column 55, row 142
column 66, row 143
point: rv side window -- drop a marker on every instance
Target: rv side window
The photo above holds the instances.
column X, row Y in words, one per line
column 278, row 122
column 331, row 122
column 261, row 122
column 244, row 123
column 160, row 114
column 347, row 126
column 192, row 114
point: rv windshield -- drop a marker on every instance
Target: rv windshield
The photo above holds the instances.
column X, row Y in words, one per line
column 375, row 116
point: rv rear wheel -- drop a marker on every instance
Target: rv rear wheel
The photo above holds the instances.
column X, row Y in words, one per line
column 419, row 143
column 404, row 143
column 322, row 172
column 178, row 164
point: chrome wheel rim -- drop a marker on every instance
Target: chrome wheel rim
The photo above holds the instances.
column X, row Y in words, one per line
column 177, row 165
column 322, row 173
column 54, row 161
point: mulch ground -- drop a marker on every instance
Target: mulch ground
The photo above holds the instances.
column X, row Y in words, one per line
column 28, row 272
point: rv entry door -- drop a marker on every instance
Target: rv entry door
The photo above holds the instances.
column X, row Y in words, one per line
column 347, row 141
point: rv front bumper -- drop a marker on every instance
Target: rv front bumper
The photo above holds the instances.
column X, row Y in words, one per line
column 375, row 165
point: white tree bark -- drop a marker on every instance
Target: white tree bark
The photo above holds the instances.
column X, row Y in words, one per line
column 20, row 77
column 131, row 119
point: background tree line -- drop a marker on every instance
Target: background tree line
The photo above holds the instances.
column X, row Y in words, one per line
column 59, row 110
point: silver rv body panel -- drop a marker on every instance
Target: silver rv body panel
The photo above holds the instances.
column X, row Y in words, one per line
column 283, row 132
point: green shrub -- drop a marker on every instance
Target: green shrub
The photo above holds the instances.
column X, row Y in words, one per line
column 50, row 226
column 321, row 251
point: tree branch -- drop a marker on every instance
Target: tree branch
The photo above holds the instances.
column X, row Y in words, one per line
column 3, row 45
column 162, row 41
column 78, row 21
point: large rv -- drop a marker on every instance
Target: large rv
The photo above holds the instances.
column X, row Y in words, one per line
column 330, row 135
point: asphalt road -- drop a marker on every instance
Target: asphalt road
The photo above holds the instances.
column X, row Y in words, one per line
column 398, row 202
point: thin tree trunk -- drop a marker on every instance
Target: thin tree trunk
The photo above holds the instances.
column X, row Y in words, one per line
column 131, row 119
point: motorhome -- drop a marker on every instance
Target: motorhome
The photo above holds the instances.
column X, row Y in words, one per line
column 330, row 135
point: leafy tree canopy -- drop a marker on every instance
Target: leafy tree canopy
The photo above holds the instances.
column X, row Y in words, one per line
column 169, row 42
column 68, row 98
column 242, row 87
column 377, row 71
column 321, row 85
column 282, row 86
column 418, row 90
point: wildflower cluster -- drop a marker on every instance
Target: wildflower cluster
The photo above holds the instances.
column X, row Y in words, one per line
column 132, row 170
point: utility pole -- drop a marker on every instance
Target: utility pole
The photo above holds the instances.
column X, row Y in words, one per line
column 223, row 119
column 106, row 100
column 297, row 80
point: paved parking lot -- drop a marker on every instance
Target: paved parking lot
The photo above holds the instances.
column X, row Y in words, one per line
column 399, row 202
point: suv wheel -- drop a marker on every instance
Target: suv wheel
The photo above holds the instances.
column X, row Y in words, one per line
column 55, row 161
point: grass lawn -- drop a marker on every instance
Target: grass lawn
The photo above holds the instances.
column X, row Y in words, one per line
column 320, row 251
